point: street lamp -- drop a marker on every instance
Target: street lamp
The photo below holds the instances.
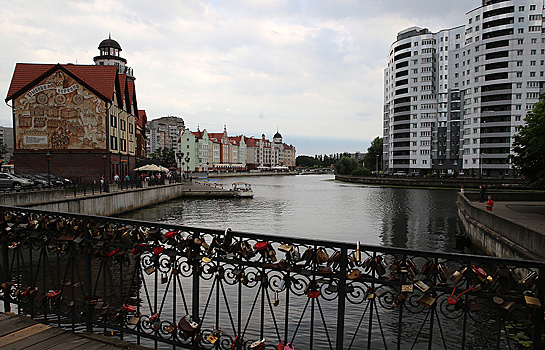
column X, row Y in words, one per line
column 48, row 158
column 207, row 170
column 179, row 165
column 187, row 158
column 104, row 163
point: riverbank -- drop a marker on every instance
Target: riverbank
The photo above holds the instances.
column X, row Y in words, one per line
column 457, row 183
column 515, row 228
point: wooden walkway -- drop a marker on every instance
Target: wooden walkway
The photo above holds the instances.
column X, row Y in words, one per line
column 20, row 332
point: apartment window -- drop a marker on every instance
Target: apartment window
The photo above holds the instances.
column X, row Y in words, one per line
column 521, row 19
column 520, row 52
column 521, row 30
column 518, row 96
column 457, row 36
column 532, row 7
column 533, row 52
column 519, row 85
column 518, row 107
column 113, row 143
column 477, row 18
column 532, row 63
column 520, row 41
column 532, row 74
column 470, row 20
column 521, row 8
column 517, row 118
column 113, row 121
column 519, row 63
column 519, row 74
column 534, row 40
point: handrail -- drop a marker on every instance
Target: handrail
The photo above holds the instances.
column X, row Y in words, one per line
column 202, row 288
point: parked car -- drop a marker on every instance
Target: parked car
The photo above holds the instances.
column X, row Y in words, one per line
column 400, row 173
column 14, row 182
column 50, row 179
column 38, row 183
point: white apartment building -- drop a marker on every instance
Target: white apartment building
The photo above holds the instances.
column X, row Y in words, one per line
column 163, row 132
column 453, row 100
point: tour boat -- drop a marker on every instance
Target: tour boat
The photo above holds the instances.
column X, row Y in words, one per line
column 243, row 190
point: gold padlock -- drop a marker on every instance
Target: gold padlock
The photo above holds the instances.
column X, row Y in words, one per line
column 212, row 339
column 164, row 278
column 134, row 320
column 149, row 270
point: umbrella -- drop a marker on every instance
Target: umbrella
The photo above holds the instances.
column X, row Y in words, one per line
column 148, row 167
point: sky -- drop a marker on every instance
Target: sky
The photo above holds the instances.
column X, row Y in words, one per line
column 312, row 70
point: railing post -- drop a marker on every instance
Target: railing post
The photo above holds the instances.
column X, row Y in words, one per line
column 195, row 295
column 5, row 272
column 88, row 278
column 342, row 298
column 538, row 316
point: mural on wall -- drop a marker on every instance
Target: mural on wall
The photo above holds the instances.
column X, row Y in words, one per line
column 59, row 113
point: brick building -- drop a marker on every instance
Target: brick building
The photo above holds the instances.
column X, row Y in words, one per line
column 81, row 121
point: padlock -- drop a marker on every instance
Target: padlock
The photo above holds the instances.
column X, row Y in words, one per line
column 407, row 288
column 171, row 328
column 532, row 301
column 285, row 247
column 212, row 339
column 164, row 278
column 149, row 270
column 426, row 300
column 276, row 300
column 358, row 252
column 134, row 320
column 422, row 286
column 457, row 275
column 444, row 272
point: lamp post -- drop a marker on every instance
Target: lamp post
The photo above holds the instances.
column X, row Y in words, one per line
column 207, row 170
column 179, row 165
column 48, row 158
column 187, row 159
column 376, row 167
column 104, row 167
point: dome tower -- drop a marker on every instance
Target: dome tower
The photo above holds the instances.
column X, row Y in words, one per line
column 109, row 56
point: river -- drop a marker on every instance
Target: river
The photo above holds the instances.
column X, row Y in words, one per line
column 317, row 206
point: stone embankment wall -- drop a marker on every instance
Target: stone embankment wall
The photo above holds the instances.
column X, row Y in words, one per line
column 497, row 236
column 467, row 182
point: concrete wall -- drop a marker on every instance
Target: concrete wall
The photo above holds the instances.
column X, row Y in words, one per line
column 468, row 182
column 496, row 236
column 112, row 203
column 26, row 198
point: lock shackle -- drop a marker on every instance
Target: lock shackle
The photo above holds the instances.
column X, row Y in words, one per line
column 464, row 292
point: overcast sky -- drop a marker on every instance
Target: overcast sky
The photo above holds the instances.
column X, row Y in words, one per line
column 312, row 69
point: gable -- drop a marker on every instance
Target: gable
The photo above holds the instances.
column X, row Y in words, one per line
column 58, row 112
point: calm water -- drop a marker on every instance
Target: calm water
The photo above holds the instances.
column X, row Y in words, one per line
column 317, row 206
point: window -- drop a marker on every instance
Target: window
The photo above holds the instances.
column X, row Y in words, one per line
column 113, row 143
column 113, row 121
column 533, row 52
column 521, row 8
column 532, row 63
column 519, row 74
column 521, row 19
column 532, row 74
column 519, row 63
column 520, row 52
column 532, row 7
column 534, row 41
column 521, row 30
column 520, row 41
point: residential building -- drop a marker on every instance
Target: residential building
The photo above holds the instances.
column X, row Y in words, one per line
column 77, row 121
column 453, row 100
column 6, row 138
column 163, row 132
column 203, row 151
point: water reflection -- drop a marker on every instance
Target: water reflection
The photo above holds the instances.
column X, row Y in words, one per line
column 316, row 206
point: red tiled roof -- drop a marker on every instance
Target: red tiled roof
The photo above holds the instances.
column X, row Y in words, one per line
column 142, row 118
column 100, row 79
column 132, row 94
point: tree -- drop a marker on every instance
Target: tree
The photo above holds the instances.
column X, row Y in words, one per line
column 529, row 146
column 307, row 162
column 3, row 151
column 346, row 166
column 165, row 156
column 370, row 159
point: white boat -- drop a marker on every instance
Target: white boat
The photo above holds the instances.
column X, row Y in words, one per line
column 243, row 190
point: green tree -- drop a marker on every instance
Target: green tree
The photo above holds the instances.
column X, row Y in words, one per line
column 370, row 159
column 3, row 151
column 307, row 162
column 529, row 146
column 346, row 166
column 165, row 156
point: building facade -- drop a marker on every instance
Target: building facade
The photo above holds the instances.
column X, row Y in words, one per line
column 77, row 121
column 203, row 151
column 453, row 100
column 163, row 132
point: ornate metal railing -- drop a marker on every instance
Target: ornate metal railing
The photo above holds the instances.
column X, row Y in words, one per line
column 172, row 286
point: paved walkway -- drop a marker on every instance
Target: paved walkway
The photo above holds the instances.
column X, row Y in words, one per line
column 20, row 332
column 527, row 214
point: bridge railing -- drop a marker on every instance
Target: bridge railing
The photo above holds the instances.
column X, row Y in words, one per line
column 167, row 285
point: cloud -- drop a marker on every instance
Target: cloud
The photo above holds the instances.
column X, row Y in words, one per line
column 311, row 69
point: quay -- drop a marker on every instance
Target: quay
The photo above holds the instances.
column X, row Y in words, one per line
column 515, row 228
column 19, row 332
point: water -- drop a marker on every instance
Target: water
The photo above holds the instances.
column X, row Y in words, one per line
column 317, row 206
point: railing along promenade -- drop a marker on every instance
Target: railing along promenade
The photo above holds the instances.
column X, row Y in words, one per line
column 172, row 286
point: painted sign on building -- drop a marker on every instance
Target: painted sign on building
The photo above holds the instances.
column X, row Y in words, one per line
column 59, row 113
